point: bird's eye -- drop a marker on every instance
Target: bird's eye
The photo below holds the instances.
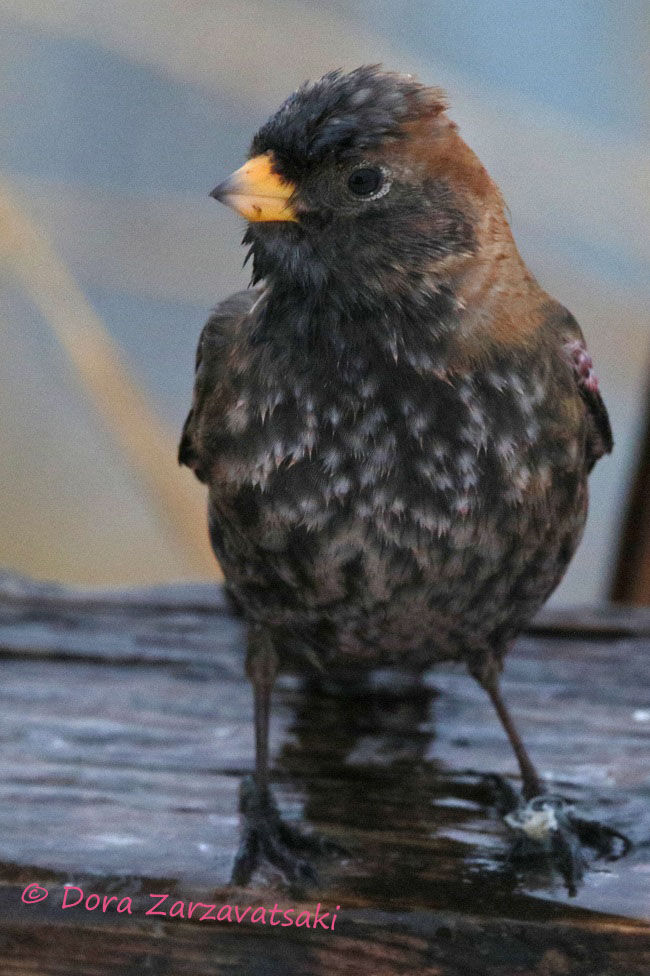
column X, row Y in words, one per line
column 366, row 181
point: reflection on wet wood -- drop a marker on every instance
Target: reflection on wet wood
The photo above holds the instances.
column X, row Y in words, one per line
column 126, row 725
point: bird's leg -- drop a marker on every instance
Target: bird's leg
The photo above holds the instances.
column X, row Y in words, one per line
column 266, row 839
column 262, row 668
column 547, row 822
column 531, row 783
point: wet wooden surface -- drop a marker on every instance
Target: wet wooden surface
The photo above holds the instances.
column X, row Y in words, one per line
column 126, row 724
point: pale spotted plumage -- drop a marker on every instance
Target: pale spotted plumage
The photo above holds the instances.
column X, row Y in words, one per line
column 397, row 423
column 353, row 520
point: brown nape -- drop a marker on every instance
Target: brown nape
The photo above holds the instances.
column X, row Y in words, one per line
column 502, row 303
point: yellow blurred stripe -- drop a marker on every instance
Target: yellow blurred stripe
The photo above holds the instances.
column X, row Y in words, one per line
column 149, row 449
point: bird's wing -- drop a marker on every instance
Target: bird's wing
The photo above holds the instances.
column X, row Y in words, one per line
column 217, row 337
column 574, row 348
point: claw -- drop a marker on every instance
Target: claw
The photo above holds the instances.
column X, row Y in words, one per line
column 609, row 843
column 541, row 818
column 548, row 824
column 267, row 838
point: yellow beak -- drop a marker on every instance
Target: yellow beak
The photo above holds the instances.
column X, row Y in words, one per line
column 256, row 192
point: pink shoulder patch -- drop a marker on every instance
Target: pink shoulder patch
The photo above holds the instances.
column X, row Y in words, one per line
column 582, row 364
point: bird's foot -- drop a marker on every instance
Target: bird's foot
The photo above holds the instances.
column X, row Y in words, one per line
column 267, row 840
column 548, row 826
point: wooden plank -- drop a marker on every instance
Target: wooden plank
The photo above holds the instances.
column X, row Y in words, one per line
column 364, row 943
column 126, row 725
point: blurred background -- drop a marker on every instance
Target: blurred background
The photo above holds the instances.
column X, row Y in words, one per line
column 118, row 120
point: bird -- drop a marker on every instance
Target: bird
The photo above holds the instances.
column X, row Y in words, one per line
column 395, row 422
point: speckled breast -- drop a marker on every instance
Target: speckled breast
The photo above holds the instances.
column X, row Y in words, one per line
column 398, row 513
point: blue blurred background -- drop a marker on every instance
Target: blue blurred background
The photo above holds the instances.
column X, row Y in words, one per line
column 118, row 120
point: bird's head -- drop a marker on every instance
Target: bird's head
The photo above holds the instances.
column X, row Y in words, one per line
column 360, row 184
